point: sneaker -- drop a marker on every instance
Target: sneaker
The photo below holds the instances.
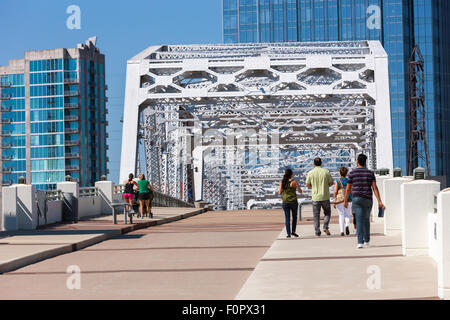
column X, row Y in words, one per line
column 327, row 232
column 318, row 234
column 360, row 246
column 366, row 244
column 347, row 231
column 288, row 236
column 294, row 234
column 342, row 234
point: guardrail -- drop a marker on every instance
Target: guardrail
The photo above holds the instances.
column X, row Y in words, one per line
column 72, row 93
column 159, row 199
column 54, row 195
column 71, row 105
column 89, row 192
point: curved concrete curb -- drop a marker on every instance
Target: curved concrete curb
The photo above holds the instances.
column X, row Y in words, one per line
column 20, row 262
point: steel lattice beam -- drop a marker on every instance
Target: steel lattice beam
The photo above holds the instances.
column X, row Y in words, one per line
column 224, row 121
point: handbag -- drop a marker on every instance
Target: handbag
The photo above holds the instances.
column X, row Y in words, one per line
column 340, row 197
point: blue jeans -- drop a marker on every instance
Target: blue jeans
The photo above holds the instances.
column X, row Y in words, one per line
column 288, row 207
column 361, row 208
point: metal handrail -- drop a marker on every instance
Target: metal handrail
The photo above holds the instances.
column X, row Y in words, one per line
column 72, row 155
column 72, row 142
column 71, row 118
column 72, row 93
column 71, row 105
column 159, row 199
column 71, row 168
column 71, row 80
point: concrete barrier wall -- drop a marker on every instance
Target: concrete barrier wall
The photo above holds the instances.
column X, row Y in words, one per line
column 443, row 241
column 89, row 207
column 391, row 199
column 20, row 211
column 54, row 212
column 424, row 222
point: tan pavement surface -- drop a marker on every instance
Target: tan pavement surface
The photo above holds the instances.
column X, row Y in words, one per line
column 209, row 256
column 332, row 268
column 230, row 255
column 18, row 249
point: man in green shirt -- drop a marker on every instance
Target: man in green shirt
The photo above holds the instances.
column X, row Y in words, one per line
column 320, row 181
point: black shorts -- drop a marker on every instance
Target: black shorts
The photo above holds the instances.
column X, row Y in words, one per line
column 145, row 196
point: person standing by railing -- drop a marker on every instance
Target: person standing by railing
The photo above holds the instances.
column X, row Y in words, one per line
column 128, row 193
column 145, row 195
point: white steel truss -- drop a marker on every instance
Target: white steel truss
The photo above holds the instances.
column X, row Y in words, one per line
column 221, row 122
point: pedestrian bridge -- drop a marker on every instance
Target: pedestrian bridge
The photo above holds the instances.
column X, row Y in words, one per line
column 191, row 253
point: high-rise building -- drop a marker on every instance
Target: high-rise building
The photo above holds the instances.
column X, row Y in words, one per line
column 53, row 117
column 398, row 24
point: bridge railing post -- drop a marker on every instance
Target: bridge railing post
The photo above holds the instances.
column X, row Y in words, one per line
column 417, row 201
column 380, row 185
column 392, row 201
column 443, row 240
column 19, row 208
column 70, row 191
column 106, row 189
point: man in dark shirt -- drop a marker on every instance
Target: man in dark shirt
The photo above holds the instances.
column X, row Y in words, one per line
column 361, row 182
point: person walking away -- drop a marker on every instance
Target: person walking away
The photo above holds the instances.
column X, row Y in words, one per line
column 144, row 195
column 128, row 193
column 361, row 184
column 288, row 188
column 320, row 181
column 340, row 186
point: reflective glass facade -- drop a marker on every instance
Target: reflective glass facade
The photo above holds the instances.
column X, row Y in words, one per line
column 12, row 93
column 398, row 24
column 54, row 119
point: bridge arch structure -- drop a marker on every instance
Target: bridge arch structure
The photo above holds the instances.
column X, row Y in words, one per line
column 220, row 123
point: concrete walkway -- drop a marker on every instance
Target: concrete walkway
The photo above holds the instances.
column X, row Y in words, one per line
column 332, row 268
column 19, row 249
column 209, row 256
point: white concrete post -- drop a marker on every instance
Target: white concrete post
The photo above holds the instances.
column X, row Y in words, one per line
column 417, row 198
column 392, row 201
column 106, row 188
column 19, row 208
column 69, row 187
column 380, row 185
column 10, row 222
column 443, row 238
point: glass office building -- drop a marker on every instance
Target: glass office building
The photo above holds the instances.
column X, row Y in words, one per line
column 398, row 24
column 53, row 117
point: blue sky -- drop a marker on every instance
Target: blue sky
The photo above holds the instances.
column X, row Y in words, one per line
column 123, row 28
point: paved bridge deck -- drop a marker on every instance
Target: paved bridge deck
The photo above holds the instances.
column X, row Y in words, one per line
column 228, row 255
